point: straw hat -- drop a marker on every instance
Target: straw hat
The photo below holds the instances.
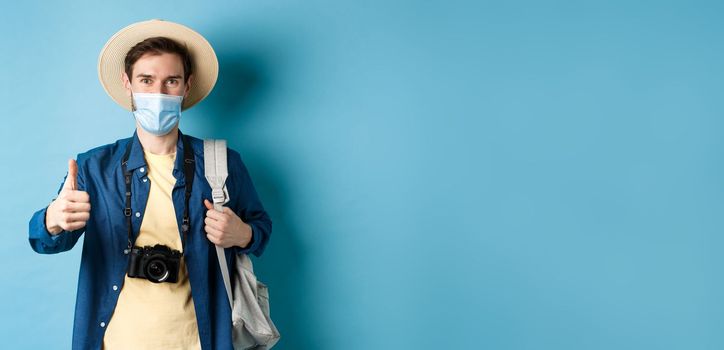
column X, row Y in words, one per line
column 113, row 54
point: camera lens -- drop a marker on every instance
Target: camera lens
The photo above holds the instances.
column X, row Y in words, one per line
column 156, row 270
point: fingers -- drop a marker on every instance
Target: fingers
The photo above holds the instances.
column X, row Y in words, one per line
column 217, row 215
column 71, row 181
column 71, row 210
column 73, row 226
column 75, row 217
column 215, row 235
column 213, row 239
column 72, row 216
column 73, row 221
column 216, row 240
column 74, row 207
column 214, row 231
column 216, row 224
column 75, row 196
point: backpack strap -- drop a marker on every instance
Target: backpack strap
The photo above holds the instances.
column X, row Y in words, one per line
column 216, row 172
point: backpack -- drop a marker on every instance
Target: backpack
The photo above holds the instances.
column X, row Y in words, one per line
column 252, row 327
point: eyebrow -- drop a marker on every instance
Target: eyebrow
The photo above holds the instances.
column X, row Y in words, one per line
column 151, row 76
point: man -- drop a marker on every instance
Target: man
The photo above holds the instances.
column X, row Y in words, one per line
column 149, row 277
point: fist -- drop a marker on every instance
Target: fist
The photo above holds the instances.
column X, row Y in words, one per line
column 71, row 210
column 224, row 228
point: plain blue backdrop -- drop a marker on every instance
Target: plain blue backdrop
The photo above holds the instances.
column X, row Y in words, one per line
column 440, row 174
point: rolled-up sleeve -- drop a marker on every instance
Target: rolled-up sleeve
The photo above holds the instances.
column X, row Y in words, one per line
column 248, row 206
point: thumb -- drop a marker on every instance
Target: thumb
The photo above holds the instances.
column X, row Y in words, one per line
column 70, row 181
column 208, row 204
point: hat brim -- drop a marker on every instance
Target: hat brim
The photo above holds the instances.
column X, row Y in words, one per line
column 112, row 56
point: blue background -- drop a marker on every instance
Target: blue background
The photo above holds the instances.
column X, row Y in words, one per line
column 440, row 174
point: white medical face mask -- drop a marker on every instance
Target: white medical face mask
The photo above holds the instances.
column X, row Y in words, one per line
column 157, row 113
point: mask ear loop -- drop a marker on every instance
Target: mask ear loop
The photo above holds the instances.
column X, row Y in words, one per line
column 133, row 105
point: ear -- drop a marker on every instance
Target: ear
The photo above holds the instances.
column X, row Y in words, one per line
column 188, row 86
column 126, row 83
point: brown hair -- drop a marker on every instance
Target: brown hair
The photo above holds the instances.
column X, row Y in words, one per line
column 156, row 46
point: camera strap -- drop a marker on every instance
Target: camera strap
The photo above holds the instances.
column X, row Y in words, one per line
column 189, row 170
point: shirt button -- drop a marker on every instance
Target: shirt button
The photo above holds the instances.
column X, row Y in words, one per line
column 145, row 179
column 138, row 214
column 115, row 287
column 103, row 324
column 142, row 170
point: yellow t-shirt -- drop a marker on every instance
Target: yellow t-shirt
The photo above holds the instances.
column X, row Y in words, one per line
column 156, row 315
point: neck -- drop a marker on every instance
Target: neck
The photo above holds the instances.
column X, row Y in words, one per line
column 160, row 145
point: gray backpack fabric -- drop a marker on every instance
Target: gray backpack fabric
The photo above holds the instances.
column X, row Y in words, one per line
column 252, row 327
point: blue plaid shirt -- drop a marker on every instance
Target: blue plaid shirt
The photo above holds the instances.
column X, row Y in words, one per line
column 103, row 263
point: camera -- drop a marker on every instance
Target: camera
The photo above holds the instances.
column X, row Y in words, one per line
column 156, row 264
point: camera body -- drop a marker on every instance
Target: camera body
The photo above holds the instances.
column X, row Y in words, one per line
column 157, row 263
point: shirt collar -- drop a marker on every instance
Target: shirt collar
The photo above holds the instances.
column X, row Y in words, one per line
column 137, row 160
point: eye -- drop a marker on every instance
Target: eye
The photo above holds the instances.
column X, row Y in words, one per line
column 146, row 81
column 172, row 81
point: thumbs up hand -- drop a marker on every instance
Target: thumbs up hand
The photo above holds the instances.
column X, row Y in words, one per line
column 71, row 210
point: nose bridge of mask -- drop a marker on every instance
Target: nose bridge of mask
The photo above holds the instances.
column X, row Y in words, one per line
column 156, row 100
